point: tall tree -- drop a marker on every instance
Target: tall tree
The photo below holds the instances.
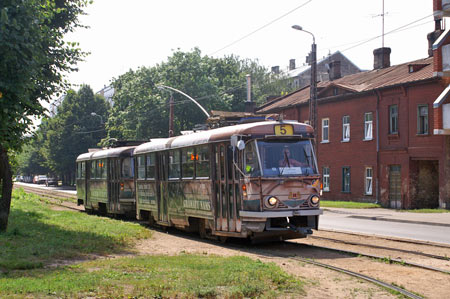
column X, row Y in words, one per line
column 33, row 58
column 77, row 126
column 141, row 111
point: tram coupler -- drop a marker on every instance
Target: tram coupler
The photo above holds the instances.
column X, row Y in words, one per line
column 303, row 230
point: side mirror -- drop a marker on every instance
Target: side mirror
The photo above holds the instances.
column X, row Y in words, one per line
column 241, row 145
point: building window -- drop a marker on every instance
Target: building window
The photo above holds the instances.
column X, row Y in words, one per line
column 346, row 128
column 325, row 129
column 369, row 180
column 368, row 128
column 422, row 119
column 393, row 119
column 346, row 179
column 326, row 179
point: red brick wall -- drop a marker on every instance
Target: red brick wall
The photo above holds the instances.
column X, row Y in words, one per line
column 358, row 154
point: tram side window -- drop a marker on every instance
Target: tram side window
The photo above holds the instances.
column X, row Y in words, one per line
column 100, row 172
column 141, row 167
column 127, row 171
column 174, row 164
column 188, row 159
column 202, row 170
column 78, row 170
column 83, row 170
column 150, row 165
column 251, row 160
column 93, row 167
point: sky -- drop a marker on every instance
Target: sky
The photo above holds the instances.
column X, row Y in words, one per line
column 125, row 35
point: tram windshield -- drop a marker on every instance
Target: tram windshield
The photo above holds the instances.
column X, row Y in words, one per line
column 274, row 158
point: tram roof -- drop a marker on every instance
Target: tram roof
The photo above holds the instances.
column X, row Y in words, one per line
column 219, row 134
column 107, row 153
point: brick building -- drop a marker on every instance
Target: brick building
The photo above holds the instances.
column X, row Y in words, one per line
column 382, row 134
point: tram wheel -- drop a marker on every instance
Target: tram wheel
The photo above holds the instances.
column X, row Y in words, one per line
column 223, row 239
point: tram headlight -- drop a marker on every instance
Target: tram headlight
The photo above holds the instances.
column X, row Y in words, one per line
column 271, row 201
column 314, row 200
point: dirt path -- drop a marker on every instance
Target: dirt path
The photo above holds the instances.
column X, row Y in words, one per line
column 321, row 283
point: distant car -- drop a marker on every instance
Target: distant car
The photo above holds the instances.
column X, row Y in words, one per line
column 51, row 182
column 41, row 179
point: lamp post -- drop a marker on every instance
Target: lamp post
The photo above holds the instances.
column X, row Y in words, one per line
column 313, row 85
column 101, row 118
column 171, row 105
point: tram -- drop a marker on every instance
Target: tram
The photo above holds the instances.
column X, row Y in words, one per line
column 256, row 180
column 105, row 181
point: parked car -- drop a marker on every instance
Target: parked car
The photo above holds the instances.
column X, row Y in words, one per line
column 40, row 179
column 51, row 181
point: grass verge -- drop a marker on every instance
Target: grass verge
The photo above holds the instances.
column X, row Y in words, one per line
column 348, row 204
column 38, row 235
column 184, row 276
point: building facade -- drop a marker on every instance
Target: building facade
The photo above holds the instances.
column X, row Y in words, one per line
column 376, row 138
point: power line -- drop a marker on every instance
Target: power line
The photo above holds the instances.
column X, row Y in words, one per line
column 260, row 28
column 392, row 31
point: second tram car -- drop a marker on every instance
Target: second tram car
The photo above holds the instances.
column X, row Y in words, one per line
column 256, row 180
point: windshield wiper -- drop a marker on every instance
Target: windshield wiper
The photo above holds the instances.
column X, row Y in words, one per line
column 286, row 162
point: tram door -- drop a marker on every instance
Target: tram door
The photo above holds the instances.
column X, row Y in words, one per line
column 163, row 190
column 225, row 195
column 113, row 185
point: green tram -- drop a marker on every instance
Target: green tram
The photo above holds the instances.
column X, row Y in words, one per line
column 105, row 181
column 256, row 180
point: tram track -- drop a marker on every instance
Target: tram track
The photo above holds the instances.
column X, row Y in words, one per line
column 439, row 257
column 58, row 198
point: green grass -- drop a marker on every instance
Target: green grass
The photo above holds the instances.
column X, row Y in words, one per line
column 184, row 276
column 37, row 235
column 348, row 204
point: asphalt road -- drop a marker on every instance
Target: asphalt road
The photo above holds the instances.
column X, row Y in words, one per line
column 343, row 222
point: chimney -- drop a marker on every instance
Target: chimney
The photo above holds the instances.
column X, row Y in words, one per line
column 276, row 69
column 291, row 64
column 433, row 36
column 382, row 58
column 335, row 70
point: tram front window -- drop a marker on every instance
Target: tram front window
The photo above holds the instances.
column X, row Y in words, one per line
column 286, row 158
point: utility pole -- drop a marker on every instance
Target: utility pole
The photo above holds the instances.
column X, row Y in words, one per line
column 171, row 115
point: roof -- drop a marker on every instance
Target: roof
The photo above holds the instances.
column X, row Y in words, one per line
column 359, row 83
column 219, row 134
column 306, row 67
column 107, row 153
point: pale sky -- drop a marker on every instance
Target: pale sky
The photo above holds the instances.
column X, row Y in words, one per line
column 124, row 35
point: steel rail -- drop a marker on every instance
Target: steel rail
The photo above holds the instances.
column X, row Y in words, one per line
column 439, row 257
column 391, row 260
column 400, row 240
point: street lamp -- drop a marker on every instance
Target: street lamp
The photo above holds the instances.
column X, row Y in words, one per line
column 313, row 85
column 160, row 86
column 95, row 114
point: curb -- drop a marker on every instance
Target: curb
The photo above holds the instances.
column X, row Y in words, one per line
column 399, row 220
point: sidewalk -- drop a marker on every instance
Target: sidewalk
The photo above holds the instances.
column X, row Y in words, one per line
column 435, row 219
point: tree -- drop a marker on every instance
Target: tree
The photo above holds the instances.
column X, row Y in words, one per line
column 141, row 111
column 73, row 130
column 33, row 59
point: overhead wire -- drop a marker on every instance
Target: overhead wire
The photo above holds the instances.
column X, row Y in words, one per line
column 260, row 28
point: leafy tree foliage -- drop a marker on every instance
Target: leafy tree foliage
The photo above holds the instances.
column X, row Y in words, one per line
column 141, row 110
column 33, row 57
column 73, row 130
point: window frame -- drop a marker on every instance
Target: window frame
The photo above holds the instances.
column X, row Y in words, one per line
column 368, row 178
column 368, row 123
column 140, row 167
column 346, row 172
column 176, row 154
column 345, row 128
column 426, row 124
column 327, row 127
column 393, row 119
column 191, row 161
column 326, row 179
column 199, row 151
